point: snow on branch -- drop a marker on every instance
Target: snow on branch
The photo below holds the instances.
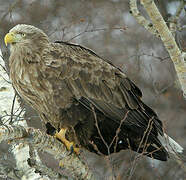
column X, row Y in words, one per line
column 49, row 144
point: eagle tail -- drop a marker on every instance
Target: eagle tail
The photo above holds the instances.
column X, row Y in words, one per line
column 169, row 144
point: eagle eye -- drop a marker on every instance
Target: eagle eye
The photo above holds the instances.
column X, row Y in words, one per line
column 23, row 34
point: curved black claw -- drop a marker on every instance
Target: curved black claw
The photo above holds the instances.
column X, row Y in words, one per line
column 71, row 150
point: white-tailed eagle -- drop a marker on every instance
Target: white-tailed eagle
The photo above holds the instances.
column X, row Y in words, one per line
column 87, row 100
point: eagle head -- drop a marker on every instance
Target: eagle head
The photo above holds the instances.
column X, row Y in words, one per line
column 23, row 35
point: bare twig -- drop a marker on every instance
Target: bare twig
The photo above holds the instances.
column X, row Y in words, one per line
column 145, row 135
column 95, row 30
column 152, row 55
column 143, row 143
column 12, row 109
column 98, row 129
column 108, row 158
column 3, row 66
column 4, row 70
column 117, row 132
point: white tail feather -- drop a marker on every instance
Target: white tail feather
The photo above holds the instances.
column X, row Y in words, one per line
column 169, row 144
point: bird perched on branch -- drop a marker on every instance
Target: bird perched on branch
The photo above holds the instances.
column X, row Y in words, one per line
column 90, row 103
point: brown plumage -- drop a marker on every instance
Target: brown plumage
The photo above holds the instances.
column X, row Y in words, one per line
column 72, row 87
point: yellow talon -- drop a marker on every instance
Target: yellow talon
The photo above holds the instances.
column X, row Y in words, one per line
column 70, row 145
column 61, row 164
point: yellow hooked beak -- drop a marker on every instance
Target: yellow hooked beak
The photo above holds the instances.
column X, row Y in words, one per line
column 10, row 38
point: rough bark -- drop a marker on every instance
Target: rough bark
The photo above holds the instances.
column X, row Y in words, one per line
column 49, row 144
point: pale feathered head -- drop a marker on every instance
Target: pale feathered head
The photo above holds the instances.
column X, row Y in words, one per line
column 25, row 35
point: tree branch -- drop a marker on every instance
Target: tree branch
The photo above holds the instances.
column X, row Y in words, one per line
column 35, row 162
column 168, row 40
column 173, row 25
column 140, row 19
column 49, row 144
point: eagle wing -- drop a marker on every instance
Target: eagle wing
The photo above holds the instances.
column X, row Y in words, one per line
column 77, row 72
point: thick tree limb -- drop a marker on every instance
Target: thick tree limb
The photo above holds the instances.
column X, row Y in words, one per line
column 49, row 144
column 166, row 36
column 140, row 19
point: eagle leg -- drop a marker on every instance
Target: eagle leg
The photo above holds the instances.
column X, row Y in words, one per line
column 69, row 145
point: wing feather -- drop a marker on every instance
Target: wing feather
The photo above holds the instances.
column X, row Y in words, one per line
column 92, row 80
